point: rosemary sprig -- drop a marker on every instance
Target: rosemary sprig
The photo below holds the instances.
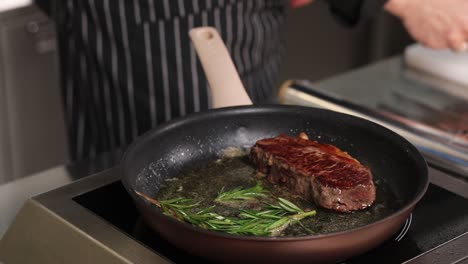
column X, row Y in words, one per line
column 242, row 194
column 272, row 220
column 179, row 208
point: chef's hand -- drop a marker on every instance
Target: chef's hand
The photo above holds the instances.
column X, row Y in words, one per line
column 437, row 24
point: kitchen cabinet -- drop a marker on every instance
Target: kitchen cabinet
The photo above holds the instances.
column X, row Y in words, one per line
column 32, row 132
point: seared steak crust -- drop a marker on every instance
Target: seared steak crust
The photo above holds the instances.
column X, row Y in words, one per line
column 319, row 172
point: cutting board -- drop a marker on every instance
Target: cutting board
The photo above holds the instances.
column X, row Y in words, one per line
column 444, row 64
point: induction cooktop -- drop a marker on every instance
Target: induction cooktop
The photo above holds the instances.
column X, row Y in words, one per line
column 94, row 220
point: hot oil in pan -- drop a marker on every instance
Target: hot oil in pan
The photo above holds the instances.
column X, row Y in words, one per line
column 205, row 182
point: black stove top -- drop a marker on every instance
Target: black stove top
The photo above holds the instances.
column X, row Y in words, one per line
column 438, row 218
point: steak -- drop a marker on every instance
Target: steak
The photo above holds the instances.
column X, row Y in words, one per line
column 318, row 172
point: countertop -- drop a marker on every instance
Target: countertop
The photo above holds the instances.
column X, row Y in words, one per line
column 13, row 194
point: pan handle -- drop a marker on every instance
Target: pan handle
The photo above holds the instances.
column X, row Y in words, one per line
column 225, row 84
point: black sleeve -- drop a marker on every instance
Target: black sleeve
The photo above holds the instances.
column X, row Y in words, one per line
column 352, row 11
column 44, row 5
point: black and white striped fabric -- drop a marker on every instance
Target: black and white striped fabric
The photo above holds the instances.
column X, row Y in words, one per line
column 128, row 65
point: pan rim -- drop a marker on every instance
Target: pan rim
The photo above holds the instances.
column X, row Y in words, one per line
column 270, row 108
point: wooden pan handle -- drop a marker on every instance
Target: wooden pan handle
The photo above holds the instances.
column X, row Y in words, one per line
column 225, row 84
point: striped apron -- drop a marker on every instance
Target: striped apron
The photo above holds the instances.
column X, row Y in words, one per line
column 128, row 65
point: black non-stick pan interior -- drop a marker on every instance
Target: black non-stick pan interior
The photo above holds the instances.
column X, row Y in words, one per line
column 199, row 138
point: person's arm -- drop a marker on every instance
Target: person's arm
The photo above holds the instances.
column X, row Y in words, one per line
column 437, row 24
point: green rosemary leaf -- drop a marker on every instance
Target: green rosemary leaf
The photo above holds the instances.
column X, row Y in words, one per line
column 287, row 205
column 278, row 223
column 242, row 194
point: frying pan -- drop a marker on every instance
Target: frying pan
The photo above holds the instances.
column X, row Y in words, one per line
column 197, row 138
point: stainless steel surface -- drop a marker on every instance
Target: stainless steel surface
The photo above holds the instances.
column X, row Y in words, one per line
column 430, row 117
column 64, row 232
column 28, row 245
column 15, row 193
column 292, row 96
column 450, row 87
column 450, row 182
column 32, row 132
column 453, row 251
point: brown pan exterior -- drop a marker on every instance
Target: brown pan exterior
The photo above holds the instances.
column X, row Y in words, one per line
column 311, row 249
